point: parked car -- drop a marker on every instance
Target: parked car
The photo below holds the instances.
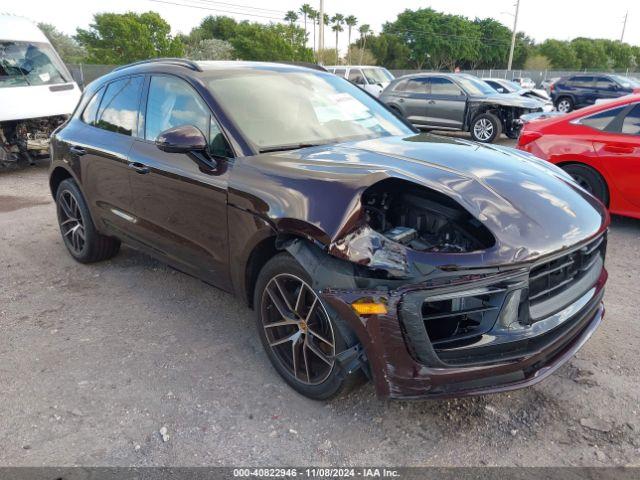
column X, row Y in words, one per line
column 577, row 91
column 525, row 82
column 501, row 85
column 436, row 267
column 443, row 101
column 37, row 92
column 370, row 78
column 598, row 146
column 547, row 82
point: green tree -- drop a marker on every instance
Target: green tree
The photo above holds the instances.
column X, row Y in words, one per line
column 220, row 27
column 255, row 41
column 210, row 49
column 537, row 62
column 364, row 30
column 67, row 47
column 560, row 54
column 591, row 53
column 115, row 38
column 313, row 16
column 338, row 21
column 493, row 46
column 351, row 21
column 389, row 51
column 305, row 10
column 291, row 17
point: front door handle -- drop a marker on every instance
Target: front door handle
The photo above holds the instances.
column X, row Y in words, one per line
column 140, row 168
column 431, row 102
column 618, row 149
column 78, row 151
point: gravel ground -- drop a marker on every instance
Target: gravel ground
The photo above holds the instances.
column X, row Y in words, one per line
column 96, row 360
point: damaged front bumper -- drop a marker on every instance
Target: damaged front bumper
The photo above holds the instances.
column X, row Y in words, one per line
column 478, row 334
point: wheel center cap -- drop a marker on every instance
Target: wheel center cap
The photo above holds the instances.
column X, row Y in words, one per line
column 302, row 325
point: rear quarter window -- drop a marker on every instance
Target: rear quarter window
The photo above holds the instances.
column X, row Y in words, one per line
column 90, row 111
column 601, row 120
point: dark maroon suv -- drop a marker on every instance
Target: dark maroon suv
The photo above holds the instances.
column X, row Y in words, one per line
column 432, row 266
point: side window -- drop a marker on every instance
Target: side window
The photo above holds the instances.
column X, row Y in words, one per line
column 605, row 83
column 218, row 146
column 340, row 72
column 416, row 85
column 581, row 82
column 631, row 124
column 118, row 110
column 444, row 86
column 91, row 110
column 172, row 103
column 355, row 76
column 601, row 120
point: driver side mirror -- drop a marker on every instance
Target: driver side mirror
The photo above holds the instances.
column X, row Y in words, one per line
column 191, row 141
column 182, row 139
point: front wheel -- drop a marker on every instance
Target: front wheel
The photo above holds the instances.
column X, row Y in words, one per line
column 486, row 128
column 300, row 335
column 79, row 234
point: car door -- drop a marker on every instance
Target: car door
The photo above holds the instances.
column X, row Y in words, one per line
column 619, row 150
column 110, row 122
column 585, row 91
column 411, row 95
column 180, row 207
column 356, row 77
column 446, row 104
column 341, row 72
column 606, row 88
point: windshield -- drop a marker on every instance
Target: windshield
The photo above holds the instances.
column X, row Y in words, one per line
column 474, row 86
column 280, row 109
column 27, row 63
column 626, row 82
column 377, row 75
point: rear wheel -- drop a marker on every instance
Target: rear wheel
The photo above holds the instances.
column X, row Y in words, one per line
column 299, row 333
column 590, row 180
column 486, row 128
column 79, row 234
column 564, row 105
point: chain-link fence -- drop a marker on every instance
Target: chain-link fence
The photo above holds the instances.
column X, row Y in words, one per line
column 84, row 74
column 538, row 76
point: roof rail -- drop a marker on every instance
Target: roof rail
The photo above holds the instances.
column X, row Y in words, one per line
column 183, row 62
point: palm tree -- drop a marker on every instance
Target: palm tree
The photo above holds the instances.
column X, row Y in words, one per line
column 325, row 22
column 364, row 30
column 313, row 16
column 305, row 11
column 291, row 17
column 351, row 22
column 337, row 20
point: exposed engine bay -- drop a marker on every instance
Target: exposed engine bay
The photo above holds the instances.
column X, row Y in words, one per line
column 20, row 139
column 422, row 219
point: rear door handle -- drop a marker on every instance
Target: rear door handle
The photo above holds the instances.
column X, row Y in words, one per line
column 431, row 102
column 140, row 168
column 78, row 151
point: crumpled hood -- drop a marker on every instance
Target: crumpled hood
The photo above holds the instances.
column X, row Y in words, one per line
column 508, row 100
column 531, row 207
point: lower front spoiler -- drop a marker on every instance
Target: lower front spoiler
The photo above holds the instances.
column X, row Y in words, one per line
column 396, row 374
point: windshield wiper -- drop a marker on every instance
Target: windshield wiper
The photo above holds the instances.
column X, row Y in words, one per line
column 283, row 148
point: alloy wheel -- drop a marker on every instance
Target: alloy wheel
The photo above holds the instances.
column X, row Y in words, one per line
column 71, row 222
column 564, row 106
column 483, row 129
column 298, row 329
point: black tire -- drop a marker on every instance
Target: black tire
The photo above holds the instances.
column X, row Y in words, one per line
column 78, row 231
column 565, row 104
column 284, row 268
column 396, row 111
column 590, row 180
column 485, row 128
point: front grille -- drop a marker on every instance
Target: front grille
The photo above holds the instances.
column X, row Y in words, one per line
column 551, row 278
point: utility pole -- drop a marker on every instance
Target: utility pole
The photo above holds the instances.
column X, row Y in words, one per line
column 624, row 26
column 321, row 37
column 513, row 36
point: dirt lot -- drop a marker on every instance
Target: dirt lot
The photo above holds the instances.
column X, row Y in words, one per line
column 95, row 360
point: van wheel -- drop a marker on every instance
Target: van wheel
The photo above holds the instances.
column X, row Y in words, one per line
column 590, row 180
column 486, row 128
column 79, row 234
column 564, row 105
column 300, row 335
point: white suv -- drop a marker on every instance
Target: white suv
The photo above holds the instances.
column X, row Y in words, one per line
column 371, row 79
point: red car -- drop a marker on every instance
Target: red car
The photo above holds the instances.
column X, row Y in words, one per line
column 598, row 146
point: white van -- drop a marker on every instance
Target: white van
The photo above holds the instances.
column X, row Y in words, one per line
column 37, row 92
column 369, row 78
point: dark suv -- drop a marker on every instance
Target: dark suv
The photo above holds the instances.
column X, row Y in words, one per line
column 432, row 266
column 442, row 101
column 577, row 91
